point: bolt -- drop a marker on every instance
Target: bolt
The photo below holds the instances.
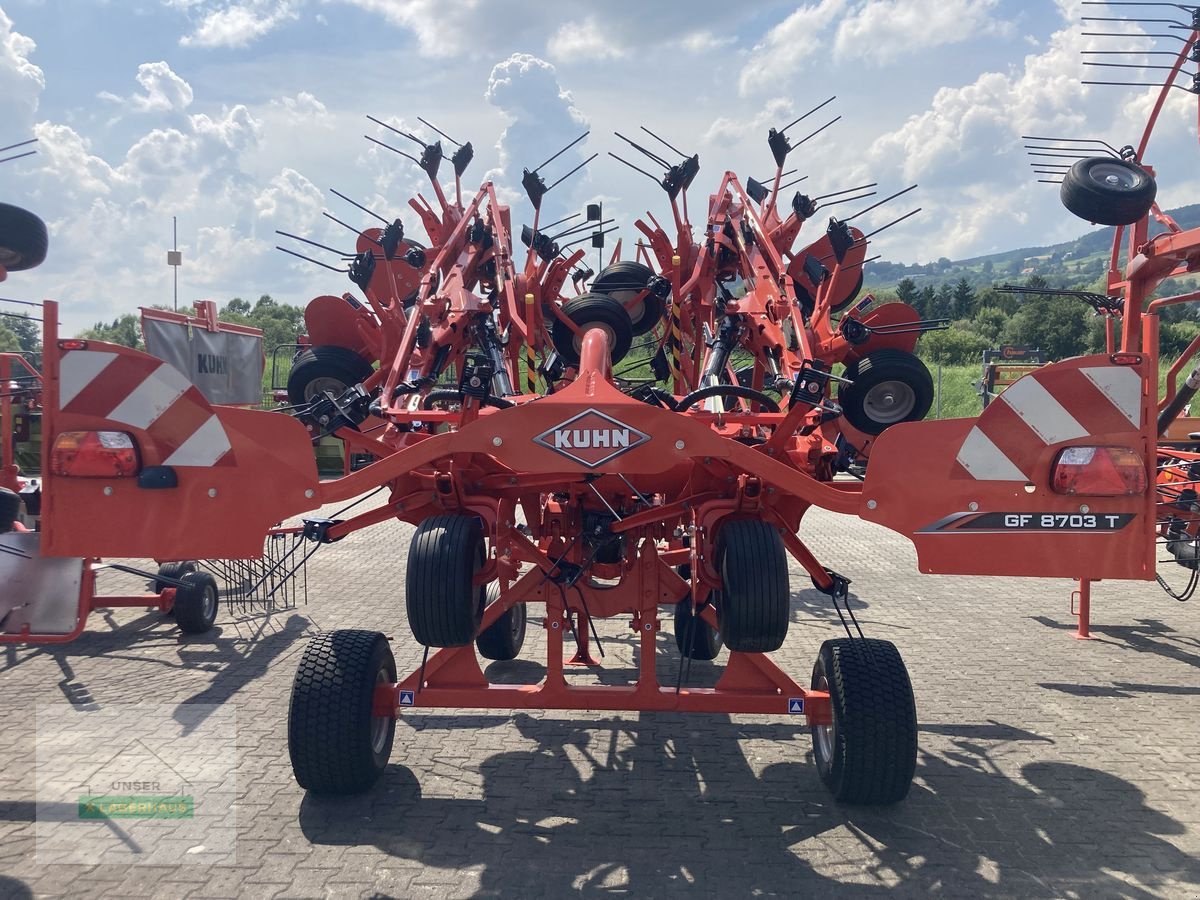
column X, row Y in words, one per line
column 649, row 626
column 309, row 493
column 554, row 625
column 1085, row 508
column 497, row 441
column 212, row 492
column 973, row 506
column 679, row 445
column 871, row 504
column 108, row 491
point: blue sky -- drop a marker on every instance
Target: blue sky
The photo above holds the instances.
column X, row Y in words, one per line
column 238, row 116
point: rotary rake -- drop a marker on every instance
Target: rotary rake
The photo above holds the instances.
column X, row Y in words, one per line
column 537, row 474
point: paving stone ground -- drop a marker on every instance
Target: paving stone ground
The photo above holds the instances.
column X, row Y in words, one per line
column 1048, row 767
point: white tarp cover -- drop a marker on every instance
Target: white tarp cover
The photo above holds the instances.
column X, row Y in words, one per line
column 227, row 367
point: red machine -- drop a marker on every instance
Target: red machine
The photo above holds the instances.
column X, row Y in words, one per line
column 533, row 479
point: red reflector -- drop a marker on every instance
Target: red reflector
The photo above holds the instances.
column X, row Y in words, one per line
column 1099, row 471
column 1125, row 359
column 72, row 345
column 94, row 454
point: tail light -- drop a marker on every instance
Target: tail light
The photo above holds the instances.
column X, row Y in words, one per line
column 1099, row 471
column 94, row 454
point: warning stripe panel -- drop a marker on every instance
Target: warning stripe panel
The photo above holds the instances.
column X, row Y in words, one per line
column 149, row 395
column 204, row 448
column 151, row 398
column 1050, row 406
column 1122, row 386
column 984, row 460
column 181, row 421
column 77, row 370
column 1030, row 400
column 109, row 386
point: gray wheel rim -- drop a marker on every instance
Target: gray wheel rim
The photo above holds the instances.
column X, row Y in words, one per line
column 824, row 735
column 889, row 402
column 1114, row 177
column 209, row 603
column 318, row 386
column 624, row 297
column 379, row 724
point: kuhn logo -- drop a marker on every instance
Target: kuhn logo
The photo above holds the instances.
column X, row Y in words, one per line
column 591, row 438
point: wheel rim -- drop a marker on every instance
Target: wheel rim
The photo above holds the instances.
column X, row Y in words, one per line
column 9, row 257
column 1114, row 177
column 824, row 735
column 209, row 603
column 379, row 724
column 625, row 297
column 318, row 386
column 889, row 402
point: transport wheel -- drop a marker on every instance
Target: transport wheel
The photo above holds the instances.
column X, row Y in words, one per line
column 890, row 386
column 869, row 752
column 23, row 240
column 593, row 311
column 196, row 604
column 706, row 641
column 504, row 637
column 444, row 607
column 321, row 369
column 1108, row 191
column 753, row 606
column 336, row 742
column 625, row 280
column 173, row 570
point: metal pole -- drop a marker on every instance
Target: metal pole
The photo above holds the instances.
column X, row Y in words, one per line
column 175, row 247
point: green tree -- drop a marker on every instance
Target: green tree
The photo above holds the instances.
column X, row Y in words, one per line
column 964, row 300
column 926, row 301
column 9, row 342
column 1058, row 325
column 27, row 330
column 954, row 346
column 906, row 291
column 124, row 330
column 943, row 303
column 989, row 323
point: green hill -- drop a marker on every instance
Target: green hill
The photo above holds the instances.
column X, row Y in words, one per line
column 1082, row 260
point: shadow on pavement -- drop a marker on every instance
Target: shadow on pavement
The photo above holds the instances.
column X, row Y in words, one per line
column 668, row 802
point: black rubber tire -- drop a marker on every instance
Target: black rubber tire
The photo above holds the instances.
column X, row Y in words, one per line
column 23, row 239
column 730, row 390
column 505, row 637
column 173, row 570
column 10, row 509
column 861, row 401
column 324, row 364
column 869, row 753
column 621, row 281
column 444, row 607
column 1108, row 191
column 196, row 605
column 335, row 743
column 753, row 607
column 706, row 641
column 588, row 310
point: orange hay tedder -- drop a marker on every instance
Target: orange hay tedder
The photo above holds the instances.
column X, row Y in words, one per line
column 507, row 426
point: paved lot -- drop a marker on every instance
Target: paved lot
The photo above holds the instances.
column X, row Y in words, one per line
column 1047, row 766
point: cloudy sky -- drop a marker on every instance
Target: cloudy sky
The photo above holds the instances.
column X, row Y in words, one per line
column 238, row 116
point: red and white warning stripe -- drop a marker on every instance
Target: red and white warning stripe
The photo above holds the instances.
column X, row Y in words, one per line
column 147, row 394
column 1045, row 408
